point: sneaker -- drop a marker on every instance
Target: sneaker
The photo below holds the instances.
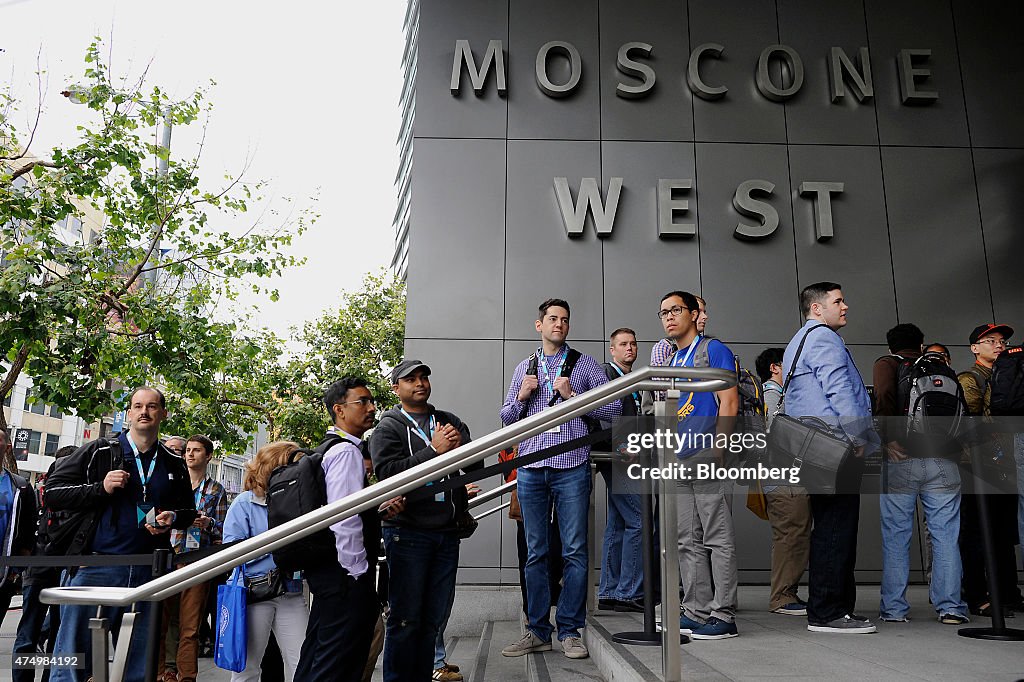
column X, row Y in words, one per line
column 794, row 609
column 630, row 606
column 527, row 644
column 573, row 647
column 953, row 619
column 893, row 619
column 447, row 673
column 715, row 629
column 607, row 604
column 687, row 624
column 847, row 625
column 986, row 611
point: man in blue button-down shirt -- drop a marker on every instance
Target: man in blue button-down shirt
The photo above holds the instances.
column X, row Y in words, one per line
column 826, row 384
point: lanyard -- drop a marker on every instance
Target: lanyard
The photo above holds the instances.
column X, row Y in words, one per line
column 689, row 351
column 636, row 396
column 201, row 491
column 143, row 476
column 542, row 362
column 432, row 426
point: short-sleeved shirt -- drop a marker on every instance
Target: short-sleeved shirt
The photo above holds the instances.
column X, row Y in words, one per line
column 697, row 413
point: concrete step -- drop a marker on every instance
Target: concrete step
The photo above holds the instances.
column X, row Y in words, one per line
column 553, row 665
column 489, row 663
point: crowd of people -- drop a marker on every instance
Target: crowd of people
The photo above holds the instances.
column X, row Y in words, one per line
column 134, row 494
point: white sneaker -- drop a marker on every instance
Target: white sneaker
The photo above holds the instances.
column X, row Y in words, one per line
column 573, row 647
column 527, row 644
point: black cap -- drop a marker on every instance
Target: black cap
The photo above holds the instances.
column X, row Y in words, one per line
column 407, row 367
column 984, row 329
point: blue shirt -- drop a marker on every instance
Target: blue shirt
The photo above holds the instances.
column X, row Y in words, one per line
column 6, row 508
column 697, row 413
column 247, row 518
column 826, row 384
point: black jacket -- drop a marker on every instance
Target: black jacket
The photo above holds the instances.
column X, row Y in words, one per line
column 21, row 531
column 395, row 447
column 76, row 485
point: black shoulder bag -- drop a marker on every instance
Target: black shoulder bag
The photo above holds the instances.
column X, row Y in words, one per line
column 807, row 443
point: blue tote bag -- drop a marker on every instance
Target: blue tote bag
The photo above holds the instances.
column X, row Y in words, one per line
column 229, row 652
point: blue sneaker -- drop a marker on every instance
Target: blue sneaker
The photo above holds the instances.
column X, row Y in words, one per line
column 687, row 623
column 715, row 629
column 793, row 609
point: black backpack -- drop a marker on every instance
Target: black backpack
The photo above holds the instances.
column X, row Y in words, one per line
column 929, row 396
column 297, row 488
column 58, row 531
column 1007, row 384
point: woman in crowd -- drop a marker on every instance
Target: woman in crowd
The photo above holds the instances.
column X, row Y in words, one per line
column 286, row 614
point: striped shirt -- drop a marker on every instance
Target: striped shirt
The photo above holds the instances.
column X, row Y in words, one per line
column 587, row 374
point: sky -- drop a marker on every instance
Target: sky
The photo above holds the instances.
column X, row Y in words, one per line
column 308, row 91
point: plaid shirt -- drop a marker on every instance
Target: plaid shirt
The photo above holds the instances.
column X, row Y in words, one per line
column 213, row 503
column 587, row 374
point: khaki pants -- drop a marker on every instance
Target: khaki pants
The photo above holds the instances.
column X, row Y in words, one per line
column 707, row 550
column 191, row 607
column 789, row 513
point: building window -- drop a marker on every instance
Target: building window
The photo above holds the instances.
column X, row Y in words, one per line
column 7, row 400
column 55, row 412
column 51, row 444
column 34, row 438
column 37, row 407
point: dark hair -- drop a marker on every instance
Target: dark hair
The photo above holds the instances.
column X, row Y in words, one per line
column 204, row 441
column 64, row 451
column 163, row 401
column 337, row 391
column 904, row 336
column 944, row 347
column 6, row 434
column 813, row 293
column 767, row 358
column 622, row 330
column 550, row 303
column 689, row 300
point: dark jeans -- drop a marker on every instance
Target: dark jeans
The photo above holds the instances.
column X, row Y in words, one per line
column 30, row 628
column 340, row 625
column 422, row 565
column 554, row 562
column 832, row 588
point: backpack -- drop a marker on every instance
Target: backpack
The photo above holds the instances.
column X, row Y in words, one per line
column 750, row 417
column 571, row 358
column 927, row 388
column 296, row 488
column 1008, row 384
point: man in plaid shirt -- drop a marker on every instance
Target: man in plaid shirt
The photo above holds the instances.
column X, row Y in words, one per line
column 562, row 481
column 208, row 529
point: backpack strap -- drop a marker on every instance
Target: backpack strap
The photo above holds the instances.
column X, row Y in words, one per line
column 571, row 358
column 116, row 453
column 796, row 360
column 531, row 369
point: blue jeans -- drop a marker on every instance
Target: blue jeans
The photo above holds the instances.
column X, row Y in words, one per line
column 30, row 627
column 568, row 490
column 937, row 483
column 439, row 652
column 73, row 635
column 422, row 565
column 1018, row 453
column 622, row 572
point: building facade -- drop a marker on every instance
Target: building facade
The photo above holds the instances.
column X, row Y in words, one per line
column 607, row 152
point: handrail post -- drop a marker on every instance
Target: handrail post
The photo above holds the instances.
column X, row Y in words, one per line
column 671, row 658
column 161, row 563
column 100, row 649
column 591, row 548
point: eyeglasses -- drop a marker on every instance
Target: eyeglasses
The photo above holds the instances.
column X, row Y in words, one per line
column 993, row 342
column 674, row 311
column 364, row 401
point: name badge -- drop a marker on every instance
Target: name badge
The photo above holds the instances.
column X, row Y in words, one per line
column 192, row 538
column 555, row 429
column 146, row 514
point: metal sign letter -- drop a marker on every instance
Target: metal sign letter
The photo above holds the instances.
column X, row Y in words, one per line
column 574, row 215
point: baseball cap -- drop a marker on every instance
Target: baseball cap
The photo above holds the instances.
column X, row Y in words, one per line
column 405, row 368
column 984, row 329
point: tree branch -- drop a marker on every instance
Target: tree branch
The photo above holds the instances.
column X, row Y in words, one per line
column 253, row 406
column 30, row 165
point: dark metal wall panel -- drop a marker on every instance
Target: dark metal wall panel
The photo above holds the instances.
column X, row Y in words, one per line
column 894, row 25
column 751, row 286
column 934, row 228
column 858, row 255
column 744, row 28
column 531, row 113
column 665, row 113
column 456, row 237
column 1000, row 175
column 540, row 260
column 438, row 113
column 812, row 28
column 989, row 41
column 639, row 267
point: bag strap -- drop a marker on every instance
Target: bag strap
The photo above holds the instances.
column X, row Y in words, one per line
column 796, row 359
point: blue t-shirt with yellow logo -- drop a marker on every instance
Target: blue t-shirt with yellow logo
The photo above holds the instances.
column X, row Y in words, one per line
column 697, row 413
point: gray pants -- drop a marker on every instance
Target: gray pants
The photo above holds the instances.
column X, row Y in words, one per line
column 705, row 528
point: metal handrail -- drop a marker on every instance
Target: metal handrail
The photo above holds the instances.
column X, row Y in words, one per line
column 489, row 495
column 686, row 378
column 497, row 509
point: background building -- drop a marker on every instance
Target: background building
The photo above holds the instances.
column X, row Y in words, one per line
column 912, row 105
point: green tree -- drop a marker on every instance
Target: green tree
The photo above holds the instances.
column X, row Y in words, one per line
column 136, row 303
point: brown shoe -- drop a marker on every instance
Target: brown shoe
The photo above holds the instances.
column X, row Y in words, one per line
column 447, row 673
